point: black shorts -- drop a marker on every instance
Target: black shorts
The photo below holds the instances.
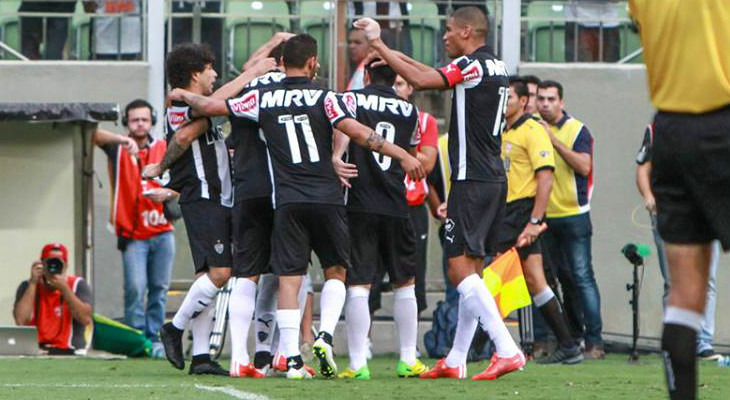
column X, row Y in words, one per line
column 691, row 176
column 516, row 217
column 300, row 228
column 475, row 213
column 253, row 220
column 381, row 241
column 209, row 231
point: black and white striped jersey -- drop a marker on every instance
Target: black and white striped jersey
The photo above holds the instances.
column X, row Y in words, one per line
column 296, row 117
column 251, row 176
column 479, row 102
column 204, row 170
column 379, row 187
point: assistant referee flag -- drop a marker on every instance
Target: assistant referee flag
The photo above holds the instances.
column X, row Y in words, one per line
column 506, row 282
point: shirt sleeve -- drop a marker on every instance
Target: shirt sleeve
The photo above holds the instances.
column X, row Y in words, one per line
column 540, row 150
column 245, row 106
column 335, row 108
column 644, row 154
column 429, row 131
column 111, row 150
column 584, row 142
column 83, row 291
column 416, row 132
column 21, row 290
column 463, row 69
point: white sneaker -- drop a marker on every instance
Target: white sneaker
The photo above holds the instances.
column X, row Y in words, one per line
column 300, row 373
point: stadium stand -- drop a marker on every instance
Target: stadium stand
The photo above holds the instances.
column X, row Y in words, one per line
column 250, row 24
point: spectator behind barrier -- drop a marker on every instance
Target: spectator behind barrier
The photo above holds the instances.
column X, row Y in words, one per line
column 106, row 35
column 58, row 304
column 53, row 35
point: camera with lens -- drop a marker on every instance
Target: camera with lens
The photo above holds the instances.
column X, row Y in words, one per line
column 53, row 266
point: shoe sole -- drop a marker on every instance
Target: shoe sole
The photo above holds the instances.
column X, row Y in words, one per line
column 167, row 341
column 327, row 367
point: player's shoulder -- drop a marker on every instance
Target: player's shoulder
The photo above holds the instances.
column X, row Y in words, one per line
column 266, row 79
column 177, row 114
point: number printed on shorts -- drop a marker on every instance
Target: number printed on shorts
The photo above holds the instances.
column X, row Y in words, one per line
column 386, row 130
column 290, row 123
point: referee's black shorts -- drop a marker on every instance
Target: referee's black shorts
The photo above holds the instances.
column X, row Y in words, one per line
column 253, row 220
column 300, row 228
column 517, row 216
column 208, row 225
column 381, row 241
column 691, row 176
column 475, row 213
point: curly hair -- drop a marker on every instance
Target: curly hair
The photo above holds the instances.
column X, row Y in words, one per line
column 186, row 59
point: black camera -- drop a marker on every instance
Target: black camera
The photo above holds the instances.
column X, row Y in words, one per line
column 53, row 266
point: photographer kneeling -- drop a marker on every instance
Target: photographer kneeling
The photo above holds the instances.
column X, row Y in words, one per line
column 59, row 305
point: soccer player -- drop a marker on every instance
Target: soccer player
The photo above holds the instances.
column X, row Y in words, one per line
column 686, row 50
column 297, row 118
column 529, row 162
column 377, row 212
column 199, row 170
column 478, row 190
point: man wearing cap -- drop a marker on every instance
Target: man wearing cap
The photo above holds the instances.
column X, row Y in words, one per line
column 59, row 305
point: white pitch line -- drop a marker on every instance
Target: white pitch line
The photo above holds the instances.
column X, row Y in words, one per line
column 233, row 392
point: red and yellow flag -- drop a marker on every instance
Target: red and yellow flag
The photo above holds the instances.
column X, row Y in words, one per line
column 506, row 282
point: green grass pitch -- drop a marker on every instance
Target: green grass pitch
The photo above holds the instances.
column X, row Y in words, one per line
column 613, row 379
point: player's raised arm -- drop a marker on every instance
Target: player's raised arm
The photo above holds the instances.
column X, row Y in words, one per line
column 418, row 75
column 201, row 105
column 232, row 88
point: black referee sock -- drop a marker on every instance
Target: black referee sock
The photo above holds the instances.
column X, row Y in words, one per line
column 553, row 315
column 261, row 359
column 680, row 363
column 201, row 359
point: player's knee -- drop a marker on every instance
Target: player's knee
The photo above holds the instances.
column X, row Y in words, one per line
column 219, row 276
column 335, row 272
column 411, row 281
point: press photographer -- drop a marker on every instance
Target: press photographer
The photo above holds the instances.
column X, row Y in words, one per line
column 59, row 305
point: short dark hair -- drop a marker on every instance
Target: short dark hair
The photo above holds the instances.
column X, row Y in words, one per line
column 137, row 103
column 473, row 17
column 531, row 79
column 381, row 75
column 299, row 49
column 551, row 84
column 520, row 85
column 277, row 52
column 186, row 59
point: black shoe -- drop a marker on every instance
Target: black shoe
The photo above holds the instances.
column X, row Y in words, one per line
column 171, row 339
column 207, row 368
column 709, row 355
column 564, row 355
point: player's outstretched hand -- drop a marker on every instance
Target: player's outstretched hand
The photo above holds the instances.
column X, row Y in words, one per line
column 530, row 234
column 152, row 171
column 413, row 168
column 263, row 66
column 176, row 94
column 369, row 26
column 131, row 145
column 344, row 171
column 442, row 211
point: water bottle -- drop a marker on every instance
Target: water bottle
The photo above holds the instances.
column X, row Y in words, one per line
column 724, row 362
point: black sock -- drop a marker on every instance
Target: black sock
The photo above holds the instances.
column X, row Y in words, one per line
column 680, row 363
column 201, row 359
column 554, row 317
column 295, row 362
column 261, row 359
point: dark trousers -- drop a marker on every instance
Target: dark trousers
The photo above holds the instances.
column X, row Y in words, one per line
column 211, row 29
column 56, row 30
column 589, row 43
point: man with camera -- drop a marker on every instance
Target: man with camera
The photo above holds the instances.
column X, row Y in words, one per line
column 140, row 210
column 59, row 305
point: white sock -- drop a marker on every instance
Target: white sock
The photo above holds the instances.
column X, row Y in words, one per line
column 405, row 314
column 465, row 327
column 240, row 311
column 330, row 303
column 680, row 316
column 288, row 322
column 200, row 295
column 265, row 322
column 201, row 326
column 357, row 318
column 543, row 297
column 480, row 303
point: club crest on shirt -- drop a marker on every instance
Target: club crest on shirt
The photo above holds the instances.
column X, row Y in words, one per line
column 219, row 247
column 544, row 153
